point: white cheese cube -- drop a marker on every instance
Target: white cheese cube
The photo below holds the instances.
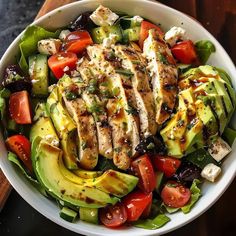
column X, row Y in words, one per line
column 138, row 19
column 219, row 149
column 64, row 34
column 49, row 46
column 110, row 41
column 211, row 172
column 174, row 34
column 103, row 16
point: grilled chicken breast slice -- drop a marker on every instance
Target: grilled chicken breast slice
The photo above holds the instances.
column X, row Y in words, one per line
column 164, row 74
column 106, row 60
column 120, row 138
column 141, row 89
column 98, row 110
column 88, row 145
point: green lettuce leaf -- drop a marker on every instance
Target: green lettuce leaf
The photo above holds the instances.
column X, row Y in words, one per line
column 195, row 194
column 29, row 41
column 4, row 94
column 204, row 49
column 13, row 158
column 155, row 223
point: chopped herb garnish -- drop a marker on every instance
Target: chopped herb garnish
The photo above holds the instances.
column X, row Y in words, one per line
column 71, row 95
column 117, row 149
column 163, row 59
column 84, row 145
column 96, row 108
column 132, row 111
column 151, row 146
column 124, row 72
column 93, row 86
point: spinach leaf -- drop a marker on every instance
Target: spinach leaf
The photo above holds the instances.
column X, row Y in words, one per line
column 155, row 223
column 204, row 49
column 29, row 41
column 200, row 158
column 229, row 135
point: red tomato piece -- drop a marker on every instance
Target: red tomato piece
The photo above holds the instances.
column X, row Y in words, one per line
column 185, row 52
column 145, row 27
column 113, row 216
column 19, row 107
column 136, row 203
column 62, row 62
column 167, row 165
column 147, row 211
column 77, row 41
column 20, row 145
column 175, row 194
column 142, row 167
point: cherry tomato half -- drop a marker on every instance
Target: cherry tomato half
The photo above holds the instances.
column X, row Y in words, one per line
column 185, row 52
column 167, row 165
column 19, row 107
column 142, row 167
column 62, row 62
column 113, row 216
column 20, row 145
column 136, row 203
column 175, row 194
column 77, row 41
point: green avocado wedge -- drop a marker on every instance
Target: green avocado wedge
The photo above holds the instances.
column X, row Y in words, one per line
column 47, row 169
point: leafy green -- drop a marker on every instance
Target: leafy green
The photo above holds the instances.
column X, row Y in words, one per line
column 195, row 194
column 155, row 223
column 4, row 93
column 204, row 49
column 200, row 158
column 105, row 164
column 229, row 135
column 29, row 41
column 13, row 158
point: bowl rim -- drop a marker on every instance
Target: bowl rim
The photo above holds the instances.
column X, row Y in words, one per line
column 86, row 231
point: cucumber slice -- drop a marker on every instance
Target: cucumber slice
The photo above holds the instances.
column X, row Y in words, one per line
column 89, row 214
column 131, row 34
column 127, row 23
column 100, row 33
column 68, row 214
column 229, row 135
column 38, row 71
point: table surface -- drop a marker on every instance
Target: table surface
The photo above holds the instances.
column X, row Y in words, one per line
column 217, row 16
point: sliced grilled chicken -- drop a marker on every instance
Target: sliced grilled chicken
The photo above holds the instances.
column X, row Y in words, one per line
column 106, row 61
column 120, row 138
column 86, row 128
column 98, row 110
column 141, row 89
column 164, row 74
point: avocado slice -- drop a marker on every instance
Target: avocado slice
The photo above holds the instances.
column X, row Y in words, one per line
column 48, row 161
column 204, row 112
column 87, row 174
column 174, row 131
column 111, row 181
column 65, row 128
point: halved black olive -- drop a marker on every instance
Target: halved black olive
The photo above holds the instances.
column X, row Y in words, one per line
column 15, row 80
column 82, row 22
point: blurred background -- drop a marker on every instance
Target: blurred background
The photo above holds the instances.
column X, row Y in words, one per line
column 18, row 218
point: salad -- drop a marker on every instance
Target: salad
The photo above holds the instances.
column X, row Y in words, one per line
column 117, row 120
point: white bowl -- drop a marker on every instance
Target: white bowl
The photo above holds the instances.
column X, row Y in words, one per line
column 157, row 13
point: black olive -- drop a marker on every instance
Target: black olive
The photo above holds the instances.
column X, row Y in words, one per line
column 15, row 80
column 151, row 145
column 187, row 172
column 83, row 21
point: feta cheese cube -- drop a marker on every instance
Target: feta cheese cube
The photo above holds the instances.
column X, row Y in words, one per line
column 174, row 34
column 138, row 19
column 64, row 34
column 219, row 149
column 49, row 46
column 110, row 41
column 103, row 16
column 211, row 172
